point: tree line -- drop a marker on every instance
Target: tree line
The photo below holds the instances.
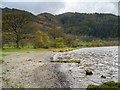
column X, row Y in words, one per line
column 21, row 28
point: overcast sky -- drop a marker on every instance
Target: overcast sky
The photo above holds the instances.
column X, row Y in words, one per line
column 62, row 6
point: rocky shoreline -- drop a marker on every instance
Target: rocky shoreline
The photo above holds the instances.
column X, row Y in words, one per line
column 103, row 61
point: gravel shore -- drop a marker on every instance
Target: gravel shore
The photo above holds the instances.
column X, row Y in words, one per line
column 29, row 70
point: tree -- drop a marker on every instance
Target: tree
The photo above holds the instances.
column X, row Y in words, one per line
column 13, row 24
column 76, row 43
column 59, row 43
column 41, row 40
column 56, row 32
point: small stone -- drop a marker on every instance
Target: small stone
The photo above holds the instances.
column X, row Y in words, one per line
column 29, row 59
column 39, row 61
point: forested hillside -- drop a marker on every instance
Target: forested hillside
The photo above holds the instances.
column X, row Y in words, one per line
column 97, row 25
column 21, row 28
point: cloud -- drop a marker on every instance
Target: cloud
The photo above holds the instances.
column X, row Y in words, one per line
column 36, row 7
column 62, row 6
column 91, row 7
column 60, row 0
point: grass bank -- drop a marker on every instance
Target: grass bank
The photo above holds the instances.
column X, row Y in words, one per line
column 66, row 49
column 23, row 49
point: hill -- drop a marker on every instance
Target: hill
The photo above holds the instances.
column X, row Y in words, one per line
column 45, row 30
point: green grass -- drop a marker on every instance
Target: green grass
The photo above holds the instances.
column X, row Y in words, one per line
column 111, row 85
column 2, row 55
column 23, row 49
column 8, row 49
column 66, row 61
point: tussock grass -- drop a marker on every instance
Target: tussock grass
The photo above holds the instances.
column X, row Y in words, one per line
column 62, row 49
column 1, row 61
column 66, row 61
